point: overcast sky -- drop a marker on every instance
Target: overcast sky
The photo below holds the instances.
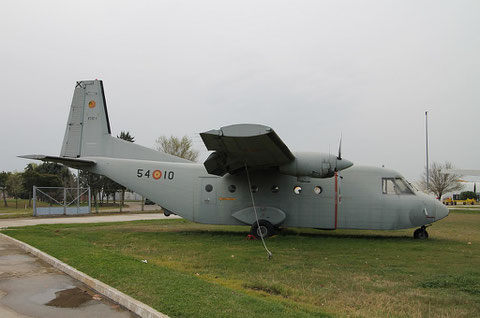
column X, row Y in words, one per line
column 312, row 70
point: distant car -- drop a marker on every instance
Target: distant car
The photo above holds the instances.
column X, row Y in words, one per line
column 149, row 202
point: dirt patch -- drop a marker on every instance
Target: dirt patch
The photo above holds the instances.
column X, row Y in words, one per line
column 70, row 298
column 271, row 290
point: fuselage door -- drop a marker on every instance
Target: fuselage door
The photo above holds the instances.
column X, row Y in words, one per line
column 208, row 191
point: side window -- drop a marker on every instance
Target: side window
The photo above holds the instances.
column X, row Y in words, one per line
column 388, row 186
column 395, row 186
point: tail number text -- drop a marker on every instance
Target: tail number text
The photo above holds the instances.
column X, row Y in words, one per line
column 155, row 174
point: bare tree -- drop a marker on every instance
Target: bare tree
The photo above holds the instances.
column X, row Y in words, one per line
column 178, row 147
column 440, row 182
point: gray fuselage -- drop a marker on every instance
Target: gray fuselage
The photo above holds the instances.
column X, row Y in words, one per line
column 188, row 190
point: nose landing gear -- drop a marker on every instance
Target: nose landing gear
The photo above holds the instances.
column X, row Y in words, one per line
column 421, row 233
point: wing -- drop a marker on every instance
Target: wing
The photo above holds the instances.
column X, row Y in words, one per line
column 235, row 146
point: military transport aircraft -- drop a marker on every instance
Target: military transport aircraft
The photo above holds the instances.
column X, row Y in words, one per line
column 251, row 178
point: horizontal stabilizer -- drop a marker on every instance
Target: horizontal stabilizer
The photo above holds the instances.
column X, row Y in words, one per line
column 70, row 162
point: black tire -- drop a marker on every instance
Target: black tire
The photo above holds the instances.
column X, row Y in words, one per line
column 266, row 229
column 420, row 234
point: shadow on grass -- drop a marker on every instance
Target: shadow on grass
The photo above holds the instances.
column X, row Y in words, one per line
column 291, row 233
column 337, row 235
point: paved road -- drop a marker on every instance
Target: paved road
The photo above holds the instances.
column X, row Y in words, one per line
column 4, row 223
column 462, row 207
column 30, row 287
column 133, row 206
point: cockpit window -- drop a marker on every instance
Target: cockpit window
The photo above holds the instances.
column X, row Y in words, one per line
column 395, row 186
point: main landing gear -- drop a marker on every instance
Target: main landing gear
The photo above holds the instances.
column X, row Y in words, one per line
column 421, row 233
column 262, row 229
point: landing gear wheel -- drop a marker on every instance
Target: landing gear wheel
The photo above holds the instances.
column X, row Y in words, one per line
column 265, row 229
column 420, row 233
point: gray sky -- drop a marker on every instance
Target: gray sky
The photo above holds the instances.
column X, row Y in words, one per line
column 312, row 70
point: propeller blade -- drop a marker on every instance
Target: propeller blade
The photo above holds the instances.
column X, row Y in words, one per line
column 339, row 157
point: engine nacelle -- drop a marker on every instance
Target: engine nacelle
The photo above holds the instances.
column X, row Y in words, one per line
column 314, row 165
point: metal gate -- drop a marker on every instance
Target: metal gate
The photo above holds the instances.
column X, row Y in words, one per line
column 61, row 201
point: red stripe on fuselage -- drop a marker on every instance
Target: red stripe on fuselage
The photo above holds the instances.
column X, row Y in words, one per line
column 336, row 198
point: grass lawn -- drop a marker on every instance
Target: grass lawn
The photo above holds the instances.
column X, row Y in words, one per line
column 15, row 209
column 198, row 270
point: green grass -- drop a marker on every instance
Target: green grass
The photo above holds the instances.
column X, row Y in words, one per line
column 465, row 211
column 198, row 270
column 15, row 209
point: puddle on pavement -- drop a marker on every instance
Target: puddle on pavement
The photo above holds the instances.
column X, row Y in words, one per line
column 70, row 298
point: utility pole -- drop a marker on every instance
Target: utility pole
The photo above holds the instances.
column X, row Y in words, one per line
column 426, row 146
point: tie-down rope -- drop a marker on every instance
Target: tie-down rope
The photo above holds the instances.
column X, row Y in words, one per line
column 256, row 216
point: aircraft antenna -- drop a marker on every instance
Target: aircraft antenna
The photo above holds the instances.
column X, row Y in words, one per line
column 255, row 210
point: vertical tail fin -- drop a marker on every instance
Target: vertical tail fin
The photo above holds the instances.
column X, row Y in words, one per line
column 88, row 123
column 88, row 131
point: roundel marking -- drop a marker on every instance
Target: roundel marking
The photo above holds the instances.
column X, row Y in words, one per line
column 157, row 174
column 92, row 104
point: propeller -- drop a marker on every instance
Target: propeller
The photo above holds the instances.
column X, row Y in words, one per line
column 339, row 157
column 340, row 163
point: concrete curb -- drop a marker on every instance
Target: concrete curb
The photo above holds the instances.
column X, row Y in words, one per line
column 117, row 296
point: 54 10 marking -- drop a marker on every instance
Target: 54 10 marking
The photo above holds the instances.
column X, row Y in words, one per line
column 155, row 174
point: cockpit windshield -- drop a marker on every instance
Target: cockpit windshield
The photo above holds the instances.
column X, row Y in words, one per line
column 397, row 186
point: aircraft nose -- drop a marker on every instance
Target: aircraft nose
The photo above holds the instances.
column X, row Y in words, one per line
column 343, row 164
column 442, row 210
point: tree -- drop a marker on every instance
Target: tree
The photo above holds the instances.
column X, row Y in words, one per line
column 178, row 147
column 467, row 195
column 125, row 135
column 62, row 172
column 31, row 177
column 94, row 181
column 3, row 185
column 14, row 186
column 440, row 182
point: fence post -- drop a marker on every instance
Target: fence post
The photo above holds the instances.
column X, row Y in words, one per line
column 89, row 201
column 122, row 198
column 34, row 201
column 64, row 201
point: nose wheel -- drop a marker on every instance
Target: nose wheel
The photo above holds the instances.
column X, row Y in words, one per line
column 421, row 233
